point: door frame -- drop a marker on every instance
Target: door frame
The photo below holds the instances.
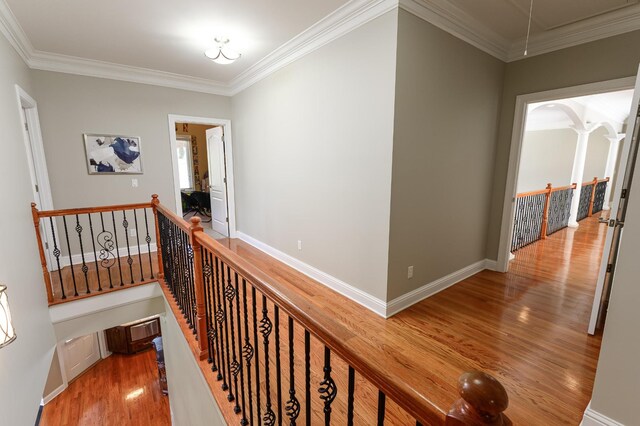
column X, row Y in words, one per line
column 515, row 151
column 228, row 143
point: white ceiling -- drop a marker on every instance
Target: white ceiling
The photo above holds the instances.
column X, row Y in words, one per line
column 612, row 107
column 162, row 42
column 167, row 35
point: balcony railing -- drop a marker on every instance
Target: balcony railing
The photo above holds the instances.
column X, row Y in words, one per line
column 274, row 362
column 541, row 213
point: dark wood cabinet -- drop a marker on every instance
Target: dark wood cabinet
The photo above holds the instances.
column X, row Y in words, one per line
column 134, row 336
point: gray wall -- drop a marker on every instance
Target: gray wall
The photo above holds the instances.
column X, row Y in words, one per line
column 447, row 99
column 312, row 152
column 615, row 392
column 600, row 60
column 71, row 105
column 190, row 398
column 25, row 362
column 547, row 157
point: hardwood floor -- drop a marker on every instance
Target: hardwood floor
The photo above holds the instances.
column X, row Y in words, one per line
column 120, row 390
column 526, row 327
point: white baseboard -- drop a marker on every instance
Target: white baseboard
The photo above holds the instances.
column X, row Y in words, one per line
column 57, row 391
column 373, row 303
column 90, row 257
column 491, row 265
column 403, row 302
column 593, row 418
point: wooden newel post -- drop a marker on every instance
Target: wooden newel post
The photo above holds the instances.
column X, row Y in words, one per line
column 593, row 195
column 545, row 214
column 43, row 257
column 198, row 282
column 482, row 402
column 154, row 207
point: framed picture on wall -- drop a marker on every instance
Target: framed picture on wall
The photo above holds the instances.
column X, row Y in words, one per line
column 112, row 154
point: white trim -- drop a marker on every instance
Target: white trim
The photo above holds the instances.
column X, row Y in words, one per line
column 368, row 301
column 345, row 19
column 448, row 17
column 57, row 391
column 594, row 418
column 102, row 344
column 350, row 16
column 90, row 257
column 114, row 299
column 403, row 302
column 228, row 147
column 516, row 146
column 491, row 264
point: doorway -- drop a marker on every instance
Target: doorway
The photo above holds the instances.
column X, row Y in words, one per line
column 202, row 159
column 571, row 206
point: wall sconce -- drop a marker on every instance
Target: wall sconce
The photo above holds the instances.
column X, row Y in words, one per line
column 7, row 332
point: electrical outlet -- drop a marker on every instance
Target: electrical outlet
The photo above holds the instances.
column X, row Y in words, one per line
column 134, row 183
column 132, row 233
column 299, row 244
column 410, row 272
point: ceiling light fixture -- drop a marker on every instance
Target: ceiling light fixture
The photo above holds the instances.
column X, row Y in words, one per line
column 526, row 44
column 7, row 332
column 222, row 54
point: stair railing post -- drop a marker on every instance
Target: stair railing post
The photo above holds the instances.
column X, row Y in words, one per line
column 545, row 214
column 593, row 195
column 198, row 282
column 483, row 401
column 154, row 207
column 43, row 258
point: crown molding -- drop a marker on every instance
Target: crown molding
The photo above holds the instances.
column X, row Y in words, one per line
column 350, row 16
column 343, row 20
column 92, row 68
column 596, row 28
column 460, row 24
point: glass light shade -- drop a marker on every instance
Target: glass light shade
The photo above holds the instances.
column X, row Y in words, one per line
column 222, row 55
column 7, row 332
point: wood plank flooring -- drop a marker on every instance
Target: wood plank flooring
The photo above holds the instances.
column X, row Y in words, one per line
column 120, row 390
column 526, row 327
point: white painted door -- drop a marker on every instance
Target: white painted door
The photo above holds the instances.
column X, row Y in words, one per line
column 217, row 180
column 615, row 229
column 80, row 353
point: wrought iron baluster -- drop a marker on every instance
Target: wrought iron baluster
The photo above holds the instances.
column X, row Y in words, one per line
column 191, row 298
column 327, row 389
column 247, row 349
column 125, row 225
column 211, row 334
column 230, row 396
column 257, row 349
column 292, row 407
column 135, row 221
column 242, row 388
column 73, row 275
column 220, row 317
column 106, row 243
column 147, row 238
column 276, row 319
column 85, row 268
column 352, row 385
column 266, row 327
column 115, row 235
column 56, row 254
column 235, row 366
column 307, row 375
column 214, row 320
column 381, row 407
column 95, row 253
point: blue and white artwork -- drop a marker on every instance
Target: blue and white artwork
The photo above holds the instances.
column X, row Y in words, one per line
column 109, row 154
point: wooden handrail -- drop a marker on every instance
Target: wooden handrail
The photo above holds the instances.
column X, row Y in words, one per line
column 182, row 224
column 296, row 307
column 543, row 191
column 86, row 210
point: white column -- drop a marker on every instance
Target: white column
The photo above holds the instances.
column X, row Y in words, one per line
column 614, row 144
column 577, row 173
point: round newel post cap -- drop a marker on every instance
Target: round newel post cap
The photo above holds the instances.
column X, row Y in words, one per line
column 482, row 402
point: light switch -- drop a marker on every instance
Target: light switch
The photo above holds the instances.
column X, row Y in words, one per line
column 134, row 183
